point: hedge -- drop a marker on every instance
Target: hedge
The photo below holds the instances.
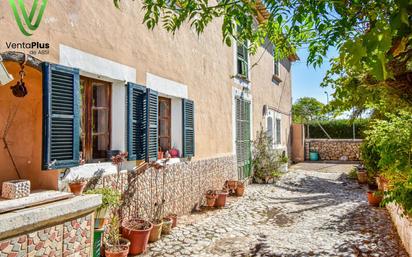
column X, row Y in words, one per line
column 337, row 129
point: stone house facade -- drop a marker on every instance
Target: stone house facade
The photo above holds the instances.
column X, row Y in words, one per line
column 99, row 81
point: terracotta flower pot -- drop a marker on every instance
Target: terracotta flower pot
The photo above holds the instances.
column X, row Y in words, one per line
column 77, row 188
column 362, row 177
column 221, row 199
column 167, row 226
column 374, row 199
column 240, row 189
column 231, row 184
column 137, row 231
column 382, row 183
column 121, row 250
column 210, row 201
column 160, row 155
column 156, row 231
column 174, row 219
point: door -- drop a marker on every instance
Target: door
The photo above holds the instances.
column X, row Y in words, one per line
column 243, row 142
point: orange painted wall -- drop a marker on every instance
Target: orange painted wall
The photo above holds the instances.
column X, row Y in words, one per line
column 24, row 137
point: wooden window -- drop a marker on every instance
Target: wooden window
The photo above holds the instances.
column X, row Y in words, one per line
column 96, row 119
column 276, row 68
column 242, row 61
column 165, row 113
column 278, row 132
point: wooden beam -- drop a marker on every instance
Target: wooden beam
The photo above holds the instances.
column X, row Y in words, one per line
column 20, row 57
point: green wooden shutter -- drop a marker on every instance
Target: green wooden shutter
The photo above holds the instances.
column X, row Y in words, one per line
column 61, row 116
column 136, row 122
column 188, row 128
column 152, row 124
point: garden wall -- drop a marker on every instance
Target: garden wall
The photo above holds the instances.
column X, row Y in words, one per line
column 182, row 184
column 403, row 225
column 334, row 149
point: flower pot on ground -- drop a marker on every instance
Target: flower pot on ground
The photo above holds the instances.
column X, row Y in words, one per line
column 362, row 176
column 240, row 189
column 115, row 245
column 117, row 250
column 156, row 230
column 211, row 197
column 77, row 185
column 174, row 219
column 137, row 231
column 167, row 226
column 374, row 197
column 221, row 198
column 231, row 184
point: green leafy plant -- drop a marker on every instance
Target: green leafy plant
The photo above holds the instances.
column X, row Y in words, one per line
column 265, row 160
column 353, row 174
column 111, row 198
column 112, row 235
column 77, row 180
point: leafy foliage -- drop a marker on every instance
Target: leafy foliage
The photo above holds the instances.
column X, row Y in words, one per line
column 111, row 198
column 338, row 129
column 266, row 161
column 306, row 109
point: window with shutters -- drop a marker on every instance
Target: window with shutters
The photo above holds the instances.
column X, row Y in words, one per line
column 165, row 124
column 276, row 68
column 95, row 119
column 242, row 61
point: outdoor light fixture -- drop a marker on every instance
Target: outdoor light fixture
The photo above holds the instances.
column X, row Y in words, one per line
column 20, row 90
column 5, row 77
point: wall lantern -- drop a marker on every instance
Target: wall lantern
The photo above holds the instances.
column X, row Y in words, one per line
column 20, row 90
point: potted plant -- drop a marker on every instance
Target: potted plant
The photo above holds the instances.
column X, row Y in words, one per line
column 160, row 153
column 167, row 226
column 173, row 216
column 221, row 198
column 115, row 246
column 375, row 197
column 77, row 185
column 211, row 197
column 110, row 200
column 240, row 189
column 283, row 160
column 157, row 221
column 137, row 231
column 362, row 174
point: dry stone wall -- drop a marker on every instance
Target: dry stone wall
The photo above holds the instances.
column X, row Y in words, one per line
column 334, row 149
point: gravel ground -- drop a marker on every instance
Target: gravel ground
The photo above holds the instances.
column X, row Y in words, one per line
column 313, row 210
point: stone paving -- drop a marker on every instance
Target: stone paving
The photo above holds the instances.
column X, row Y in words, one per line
column 314, row 210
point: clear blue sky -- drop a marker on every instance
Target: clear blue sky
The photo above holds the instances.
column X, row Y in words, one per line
column 306, row 80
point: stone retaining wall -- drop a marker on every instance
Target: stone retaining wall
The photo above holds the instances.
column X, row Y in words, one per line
column 403, row 225
column 334, row 149
column 182, row 185
column 71, row 238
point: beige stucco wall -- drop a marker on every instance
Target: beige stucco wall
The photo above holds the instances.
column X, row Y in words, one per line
column 203, row 63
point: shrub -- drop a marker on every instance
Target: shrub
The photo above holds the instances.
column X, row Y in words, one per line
column 337, row 129
column 266, row 161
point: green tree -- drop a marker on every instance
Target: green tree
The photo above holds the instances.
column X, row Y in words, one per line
column 373, row 37
column 306, row 109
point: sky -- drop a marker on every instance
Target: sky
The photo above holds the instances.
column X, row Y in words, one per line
column 306, row 79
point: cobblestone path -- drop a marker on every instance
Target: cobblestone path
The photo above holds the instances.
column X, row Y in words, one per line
column 314, row 210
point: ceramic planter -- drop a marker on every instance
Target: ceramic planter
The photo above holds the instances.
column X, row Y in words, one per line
column 77, row 188
column 284, row 167
column 121, row 250
column 362, row 177
column 231, row 184
column 174, row 219
column 240, row 189
column 221, row 199
column 137, row 231
column 14, row 189
column 167, row 226
column 156, row 231
column 374, row 199
column 210, row 200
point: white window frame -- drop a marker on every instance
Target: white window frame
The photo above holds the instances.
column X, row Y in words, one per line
column 276, row 142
